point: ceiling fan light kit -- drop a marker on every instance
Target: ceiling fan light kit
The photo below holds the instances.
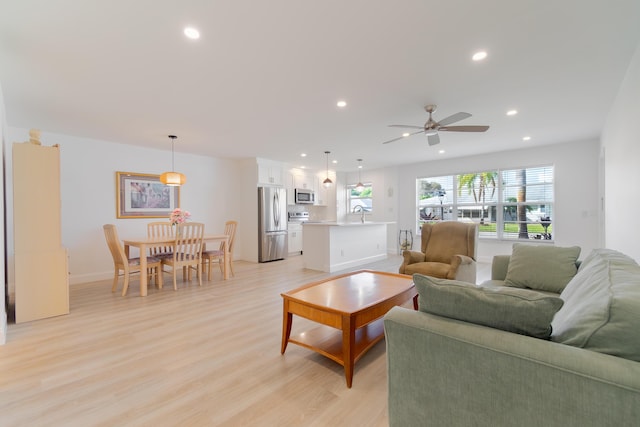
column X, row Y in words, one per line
column 431, row 127
column 173, row 179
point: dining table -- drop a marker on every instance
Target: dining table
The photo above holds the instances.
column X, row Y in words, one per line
column 145, row 243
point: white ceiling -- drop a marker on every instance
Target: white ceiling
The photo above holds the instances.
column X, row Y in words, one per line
column 264, row 78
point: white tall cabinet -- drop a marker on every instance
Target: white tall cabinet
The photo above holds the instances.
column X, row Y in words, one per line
column 41, row 273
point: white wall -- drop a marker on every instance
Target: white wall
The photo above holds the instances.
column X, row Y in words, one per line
column 88, row 169
column 576, row 214
column 3, row 310
column 621, row 151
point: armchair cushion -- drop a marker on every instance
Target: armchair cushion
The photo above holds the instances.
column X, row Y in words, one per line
column 542, row 267
column 436, row 269
column 521, row 311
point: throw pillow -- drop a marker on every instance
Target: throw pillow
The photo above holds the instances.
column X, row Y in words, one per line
column 542, row 267
column 601, row 306
column 521, row 311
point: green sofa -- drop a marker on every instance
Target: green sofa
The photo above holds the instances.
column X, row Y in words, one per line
column 444, row 371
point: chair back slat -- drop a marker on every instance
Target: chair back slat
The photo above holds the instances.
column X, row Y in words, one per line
column 188, row 242
column 158, row 230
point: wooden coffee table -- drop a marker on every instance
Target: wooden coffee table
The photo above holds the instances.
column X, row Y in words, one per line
column 352, row 303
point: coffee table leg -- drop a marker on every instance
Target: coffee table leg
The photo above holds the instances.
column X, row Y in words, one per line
column 348, row 347
column 287, row 318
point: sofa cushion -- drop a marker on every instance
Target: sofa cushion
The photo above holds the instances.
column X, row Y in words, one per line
column 542, row 267
column 602, row 306
column 522, row 311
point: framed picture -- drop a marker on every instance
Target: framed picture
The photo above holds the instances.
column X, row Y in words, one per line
column 140, row 195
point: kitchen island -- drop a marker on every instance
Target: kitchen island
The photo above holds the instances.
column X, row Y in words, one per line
column 333, row 246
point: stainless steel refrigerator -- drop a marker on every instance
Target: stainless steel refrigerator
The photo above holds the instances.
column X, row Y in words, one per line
column 272, row 223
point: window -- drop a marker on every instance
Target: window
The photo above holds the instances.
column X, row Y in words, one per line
column 434, row 199
column 507, row 204
column 360, row 201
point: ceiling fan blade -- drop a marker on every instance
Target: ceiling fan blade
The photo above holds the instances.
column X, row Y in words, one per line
column 454, row 118
column 406, row 126
column 393, row 140
column 464, row 128
column 402, row 137
column 433, row 139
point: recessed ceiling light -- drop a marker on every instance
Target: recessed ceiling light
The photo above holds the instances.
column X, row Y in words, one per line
column 512, row 112
column 526, row 138
column 303, row 155
column 479, row 56
column 192, row 33
column 302, row 167
column 406, row 134
column 341, row 104
column 334, row 161
column 441, row 152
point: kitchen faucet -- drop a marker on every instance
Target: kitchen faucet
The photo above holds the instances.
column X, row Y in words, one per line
column 359, row 208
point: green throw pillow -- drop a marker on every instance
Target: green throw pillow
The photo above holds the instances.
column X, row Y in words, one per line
column 542, row 267
column 522, row 311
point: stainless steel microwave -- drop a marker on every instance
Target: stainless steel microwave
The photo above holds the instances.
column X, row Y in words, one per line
column 304, row 196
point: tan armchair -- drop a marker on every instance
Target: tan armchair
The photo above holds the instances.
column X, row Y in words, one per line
column 448, row 250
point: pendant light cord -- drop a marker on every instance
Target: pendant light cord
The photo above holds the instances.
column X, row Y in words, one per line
column 173, row 160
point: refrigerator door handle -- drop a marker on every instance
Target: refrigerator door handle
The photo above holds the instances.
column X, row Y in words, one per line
column 276, row 212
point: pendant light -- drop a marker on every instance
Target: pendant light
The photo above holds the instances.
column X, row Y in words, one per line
column 327, row 182
column 359, row 185
column 173, row 179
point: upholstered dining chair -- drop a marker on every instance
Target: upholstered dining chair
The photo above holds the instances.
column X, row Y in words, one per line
column 448, row 251
column 159, row 230
column 186, row 251
column 127, row 265
column 218, row 254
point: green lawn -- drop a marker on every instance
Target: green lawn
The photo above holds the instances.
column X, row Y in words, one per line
column 514, row 228
column 511, row 228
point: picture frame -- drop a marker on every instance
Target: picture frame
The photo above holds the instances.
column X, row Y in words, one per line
column 142, row 195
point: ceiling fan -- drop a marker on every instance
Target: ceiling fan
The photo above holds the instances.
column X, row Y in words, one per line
column 431, row 127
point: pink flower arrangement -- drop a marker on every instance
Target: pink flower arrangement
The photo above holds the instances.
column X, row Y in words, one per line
column 178, row 216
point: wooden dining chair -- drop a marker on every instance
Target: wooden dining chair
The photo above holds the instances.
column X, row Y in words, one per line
column 160, row 229
column 209, row 257
column 127, row 265
column 186, row 251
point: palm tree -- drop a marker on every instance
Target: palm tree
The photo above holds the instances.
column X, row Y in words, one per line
column 521, row 197
column 484, row 181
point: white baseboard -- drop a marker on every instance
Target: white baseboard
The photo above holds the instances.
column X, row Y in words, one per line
column 350, row 264
column 3, row 327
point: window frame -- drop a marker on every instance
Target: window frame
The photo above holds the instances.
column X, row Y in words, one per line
column 492, row 209
column 350, row 197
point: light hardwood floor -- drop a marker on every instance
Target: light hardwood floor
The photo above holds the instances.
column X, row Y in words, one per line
column 201, row 356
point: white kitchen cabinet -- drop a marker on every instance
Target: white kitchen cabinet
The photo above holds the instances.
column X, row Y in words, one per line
column 303, row 179
column 298, row 178
column 270, row 173
column 295, row 239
